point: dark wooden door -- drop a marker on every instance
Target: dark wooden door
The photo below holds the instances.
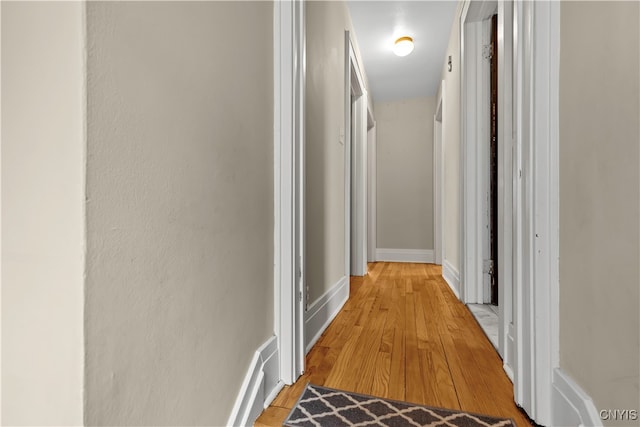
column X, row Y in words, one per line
column 494, row 160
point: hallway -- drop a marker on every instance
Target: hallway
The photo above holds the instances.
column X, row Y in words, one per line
column 403, row 335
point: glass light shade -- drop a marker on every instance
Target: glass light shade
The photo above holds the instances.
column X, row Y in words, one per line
column 403, row 46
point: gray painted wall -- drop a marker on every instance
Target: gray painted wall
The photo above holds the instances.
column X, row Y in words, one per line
column 599, row 203
column 451, row 117
column 326, row 23
column 179, row 288
column 405, row 173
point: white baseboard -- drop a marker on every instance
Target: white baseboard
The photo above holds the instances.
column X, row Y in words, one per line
column 452, row 277
column 259, row 387
column 274, row 393
column 507, row 370
column 571, row 405
column 405, row 255
column 323, row 311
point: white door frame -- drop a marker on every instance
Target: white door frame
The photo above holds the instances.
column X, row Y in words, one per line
column 475, row 134
column 536, row 192
column 475, row 121
column 288, row 187
column 506, row 325
column 371, row 188
column 528, row 175
column 438, row 176
column 356, row 198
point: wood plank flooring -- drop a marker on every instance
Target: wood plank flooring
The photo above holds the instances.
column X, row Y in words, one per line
column 404, row 335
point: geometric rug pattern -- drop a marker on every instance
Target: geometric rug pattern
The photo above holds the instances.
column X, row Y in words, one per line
column 325, row 407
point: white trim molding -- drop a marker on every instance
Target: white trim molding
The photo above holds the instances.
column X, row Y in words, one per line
column 536, row 199
column 506, row 340
column 545, row 200
column 356, row 160
column 405, row 255
column 261, row 384
column 571, row 405
column 438, row 176
column 288, row 185
column 322, row 312
column 452, row 276
column 371, row 191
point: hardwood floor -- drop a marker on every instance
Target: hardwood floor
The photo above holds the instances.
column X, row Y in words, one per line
column 404, row 335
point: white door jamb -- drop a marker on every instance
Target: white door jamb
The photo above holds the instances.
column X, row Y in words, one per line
column 475, row 145
column 289, row 54
column 438, row 176
column 371, row 189
column 356, row 239
column 537, row 146
column 506, row 326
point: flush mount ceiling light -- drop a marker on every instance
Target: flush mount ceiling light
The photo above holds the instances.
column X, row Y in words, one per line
column 403, row 46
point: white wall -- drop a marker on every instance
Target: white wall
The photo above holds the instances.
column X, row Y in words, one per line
column 43, row 192
column 451, row 147
column 326, row 23
column 599, row 203
column 180, row 207
column 405, row 173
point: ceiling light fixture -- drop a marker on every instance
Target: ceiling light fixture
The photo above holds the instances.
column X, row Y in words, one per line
column 403, row 46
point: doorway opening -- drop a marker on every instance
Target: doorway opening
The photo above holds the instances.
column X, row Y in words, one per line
column 480, row 165
column 486, row 311
column 527, row 158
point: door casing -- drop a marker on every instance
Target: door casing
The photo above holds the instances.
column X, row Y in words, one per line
column 475, row 26
column 371, row 188
column 438, row 175
column 288, row 186
column 356, row 167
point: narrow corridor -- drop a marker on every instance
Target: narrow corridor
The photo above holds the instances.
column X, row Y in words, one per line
column 403, row 335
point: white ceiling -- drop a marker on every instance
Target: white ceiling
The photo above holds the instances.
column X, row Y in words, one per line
column 378, row 24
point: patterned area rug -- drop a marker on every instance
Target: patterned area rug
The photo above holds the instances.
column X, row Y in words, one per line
column 324, row 407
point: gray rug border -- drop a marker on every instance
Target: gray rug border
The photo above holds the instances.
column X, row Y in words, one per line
column 284, row 423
